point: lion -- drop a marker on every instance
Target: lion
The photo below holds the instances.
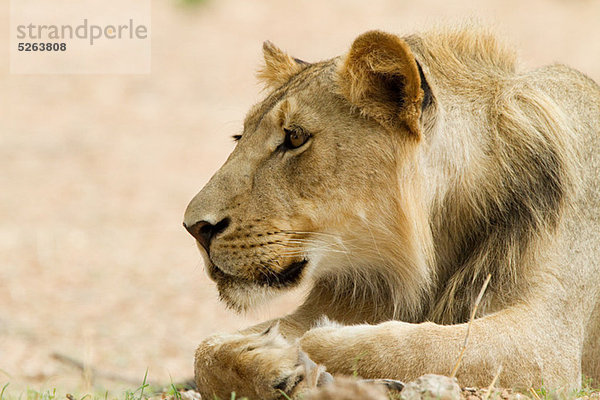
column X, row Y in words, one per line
column 392, row 180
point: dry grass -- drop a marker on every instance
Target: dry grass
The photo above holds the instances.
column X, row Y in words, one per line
column 471, row 319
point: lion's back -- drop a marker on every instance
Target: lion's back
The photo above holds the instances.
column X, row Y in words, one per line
column 544, row 126
column 578, row 97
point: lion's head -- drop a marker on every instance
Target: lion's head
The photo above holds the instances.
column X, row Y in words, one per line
column 319, row 182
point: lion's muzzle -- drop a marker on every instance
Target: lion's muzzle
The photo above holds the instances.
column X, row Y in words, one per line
column 204, row 231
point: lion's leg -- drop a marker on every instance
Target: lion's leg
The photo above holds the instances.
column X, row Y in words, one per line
column 291, row 326
column 591, row 349
column 532, row 351
column 259, row 362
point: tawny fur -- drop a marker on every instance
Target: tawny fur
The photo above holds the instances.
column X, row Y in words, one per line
column 432, row 161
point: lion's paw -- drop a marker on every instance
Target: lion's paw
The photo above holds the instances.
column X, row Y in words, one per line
column 258, row 366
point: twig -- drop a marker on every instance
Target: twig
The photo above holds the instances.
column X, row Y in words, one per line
column 489, row 389
column 92, row 371
column 473, row 312
column 534, row 393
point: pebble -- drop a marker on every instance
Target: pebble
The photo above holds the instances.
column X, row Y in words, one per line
column 432, row 387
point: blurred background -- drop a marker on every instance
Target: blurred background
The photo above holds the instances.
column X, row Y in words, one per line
column 96, row 172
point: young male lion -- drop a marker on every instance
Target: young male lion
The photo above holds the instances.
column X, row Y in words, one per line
column 395, row 179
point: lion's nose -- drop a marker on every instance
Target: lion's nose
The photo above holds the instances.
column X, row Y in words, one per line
column 204, row 231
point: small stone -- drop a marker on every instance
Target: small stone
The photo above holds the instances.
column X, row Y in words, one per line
column 190, row 395
column 432, row 387
column 518, row 396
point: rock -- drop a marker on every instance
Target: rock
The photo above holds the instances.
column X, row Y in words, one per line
column 432, row 387
column 180, row 395
column 190, row 395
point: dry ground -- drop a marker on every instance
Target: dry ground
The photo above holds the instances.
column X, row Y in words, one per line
column 96, row 172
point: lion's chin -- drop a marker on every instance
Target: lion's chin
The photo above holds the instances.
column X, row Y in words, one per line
column 247, row 297
column 242, row 294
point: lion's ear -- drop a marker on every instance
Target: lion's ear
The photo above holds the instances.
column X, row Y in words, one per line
column 380, row 76
column 279, row 67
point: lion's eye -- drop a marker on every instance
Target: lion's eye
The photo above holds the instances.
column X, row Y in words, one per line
column 295, row 138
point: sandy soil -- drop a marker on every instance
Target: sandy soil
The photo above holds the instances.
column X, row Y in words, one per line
column 96, row 172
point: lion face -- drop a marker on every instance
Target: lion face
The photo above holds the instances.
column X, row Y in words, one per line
column 294, row 199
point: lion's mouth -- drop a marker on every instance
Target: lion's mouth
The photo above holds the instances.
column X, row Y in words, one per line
column 287, row 277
